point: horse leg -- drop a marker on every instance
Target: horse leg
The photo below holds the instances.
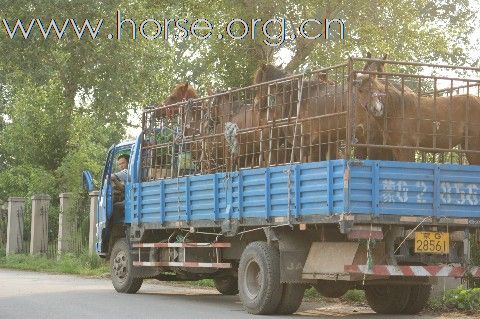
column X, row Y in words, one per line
column 473, row 159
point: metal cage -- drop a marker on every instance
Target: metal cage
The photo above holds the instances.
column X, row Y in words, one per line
column 428, row 115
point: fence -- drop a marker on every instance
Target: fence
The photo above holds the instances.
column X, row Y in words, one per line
column 75, row 223
column 355, row 110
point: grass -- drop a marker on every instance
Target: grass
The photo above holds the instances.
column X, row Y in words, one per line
column 83, row 264
column 201, row 283
column 355, row 296
column 461, row 299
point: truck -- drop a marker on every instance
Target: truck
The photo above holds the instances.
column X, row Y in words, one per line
column 299, row 191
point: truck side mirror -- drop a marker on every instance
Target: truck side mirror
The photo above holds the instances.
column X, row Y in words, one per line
column 88, row 181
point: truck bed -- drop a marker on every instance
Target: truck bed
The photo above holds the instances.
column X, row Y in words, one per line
column 318, row 192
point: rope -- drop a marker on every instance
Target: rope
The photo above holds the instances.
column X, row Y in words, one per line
column 299, row 102
column 231, row 137
column 411, row 232
column 289, row 194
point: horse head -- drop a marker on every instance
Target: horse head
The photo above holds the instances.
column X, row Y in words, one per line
column 265, row 73
column 182, row 92
column 369, row 92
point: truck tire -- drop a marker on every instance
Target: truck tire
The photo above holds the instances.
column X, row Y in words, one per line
column 331, row 289
column 259, row 278
column 387, row 299
column 121, row 268
column 292, row 296
column 419, row 295
column 227, row 286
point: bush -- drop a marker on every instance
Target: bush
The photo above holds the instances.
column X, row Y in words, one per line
column 458, row 299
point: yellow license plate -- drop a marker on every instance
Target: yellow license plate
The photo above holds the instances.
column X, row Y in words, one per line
column 432, row 242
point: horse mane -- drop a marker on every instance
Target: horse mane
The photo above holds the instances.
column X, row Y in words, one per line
column 394, row 96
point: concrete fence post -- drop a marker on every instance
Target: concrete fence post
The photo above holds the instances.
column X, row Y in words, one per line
column 39, row 228
column 65, row 224
column 16, row 211
column 92, row 233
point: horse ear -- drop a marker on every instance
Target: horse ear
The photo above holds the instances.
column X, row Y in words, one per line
column 186, row 85
column 381, row 65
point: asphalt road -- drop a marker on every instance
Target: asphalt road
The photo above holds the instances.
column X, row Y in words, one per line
column 38, row 295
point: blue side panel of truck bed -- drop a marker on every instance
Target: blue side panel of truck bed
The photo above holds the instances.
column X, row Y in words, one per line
column 321, row 188
column 400, row 188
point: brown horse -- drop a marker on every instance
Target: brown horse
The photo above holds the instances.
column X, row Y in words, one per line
column 368, row 131
column 181, row 92
column 223, row 110
column 281, row 101
column 428, row 122
column 165, row 122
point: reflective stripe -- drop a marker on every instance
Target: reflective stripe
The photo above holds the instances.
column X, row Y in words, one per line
column 182, row 264
column 411, row 271
column 181, row 245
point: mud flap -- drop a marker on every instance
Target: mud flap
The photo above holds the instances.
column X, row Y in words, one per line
column 293, row 248
column 326, row 260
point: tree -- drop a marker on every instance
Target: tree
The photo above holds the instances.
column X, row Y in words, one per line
column 64, row 101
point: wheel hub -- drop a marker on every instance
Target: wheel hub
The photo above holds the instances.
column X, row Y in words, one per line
column 120, row 265
column 253, row 279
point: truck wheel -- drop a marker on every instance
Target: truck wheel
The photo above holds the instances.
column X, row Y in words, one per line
column 386, row 299
column 292, row 296
column 418, row 299
column 259, row 278
column 227, row 286
column 121, row 268
column 332, row 289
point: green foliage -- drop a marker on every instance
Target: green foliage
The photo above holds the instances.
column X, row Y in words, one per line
column 39, row 128
column 64, row 102
column 312, row 293
column 458, row 299
column 26, row 180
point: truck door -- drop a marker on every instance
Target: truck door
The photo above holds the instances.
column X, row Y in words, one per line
column 105, row 204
